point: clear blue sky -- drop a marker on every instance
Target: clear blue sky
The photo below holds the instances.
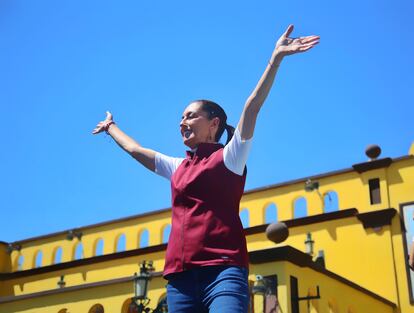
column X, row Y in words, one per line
column 64, row 63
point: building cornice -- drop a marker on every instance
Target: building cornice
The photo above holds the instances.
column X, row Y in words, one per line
column 82, row 262
column 167, row 210
column 72, row 288
column 372, row 165
column 278, row 254
column 83, row 228
column 377, row 219
column 373, row 219
column 319, row 176
column 318, row 218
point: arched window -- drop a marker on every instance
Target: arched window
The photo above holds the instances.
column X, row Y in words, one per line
column 144, row 239
column 97, row 308
column 244, row 217
column 38, row 259
column 330, row 202
column 63, row 311
column 166, row 233
column 129, row 307
column 99, row 246
column 271, row 214
column 351, row 309
column 121, row 243
column 78, row 251
column 20, row 262
column 314, row 303
column 300, row 208
column 332, row 306
column 162, row 304
column 57, row 257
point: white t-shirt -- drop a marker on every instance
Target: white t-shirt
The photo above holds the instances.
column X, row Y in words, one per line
column 235, row 155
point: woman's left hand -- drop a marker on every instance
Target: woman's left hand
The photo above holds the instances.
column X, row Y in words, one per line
column 104, row 125
column 287, row 46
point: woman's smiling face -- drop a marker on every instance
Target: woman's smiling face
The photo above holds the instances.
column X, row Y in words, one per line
column 195, row 127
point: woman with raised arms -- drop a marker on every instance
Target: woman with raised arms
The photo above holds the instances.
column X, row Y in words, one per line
column 206, row 263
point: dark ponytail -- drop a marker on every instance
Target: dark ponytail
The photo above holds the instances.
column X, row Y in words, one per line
column 230, row 132
column 214, row 110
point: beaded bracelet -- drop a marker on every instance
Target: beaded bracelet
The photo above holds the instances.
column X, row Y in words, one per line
column 106, row 127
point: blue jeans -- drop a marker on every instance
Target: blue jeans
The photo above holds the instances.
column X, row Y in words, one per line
column 211, row 289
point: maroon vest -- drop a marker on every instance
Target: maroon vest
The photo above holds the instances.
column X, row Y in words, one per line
column 206, row 228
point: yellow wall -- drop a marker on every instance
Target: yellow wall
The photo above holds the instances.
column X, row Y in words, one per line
column 84, row 274
column 5, row 264
column 112, row 298
column 333, row 293
column 372, row 259
column 131, row 228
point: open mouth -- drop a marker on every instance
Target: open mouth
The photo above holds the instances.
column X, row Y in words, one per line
column 187, row 133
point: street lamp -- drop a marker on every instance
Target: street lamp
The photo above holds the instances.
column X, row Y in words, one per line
column 140, row 301
column 141, row 281
column 260, row 286
column 74, row 233
column 311, row 185
column 309, row 244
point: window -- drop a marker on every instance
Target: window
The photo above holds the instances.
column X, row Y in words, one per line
column 244, row 217
column 97, row 308
column 407, row 211
column 57, row 258
column 271, row 214
column 162, row 305
column 300, row 208
column 332, row 306
column 144, row 239
column 38, row 259
column 99, row 246
column 78, row 251
column 351, row 309
column 166, row 233
column 271, row 303
column 294, row 294
column 121, row 243
column 20, row 262
column 374, row 191
column 129, row 307
column 330, row 202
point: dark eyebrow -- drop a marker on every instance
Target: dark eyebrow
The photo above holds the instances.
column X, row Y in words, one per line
column 188, row 113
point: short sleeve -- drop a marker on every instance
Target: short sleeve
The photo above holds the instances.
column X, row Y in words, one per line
column 236, row 152
column 165, row 166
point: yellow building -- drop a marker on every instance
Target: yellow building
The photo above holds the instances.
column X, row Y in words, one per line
column 347, row 250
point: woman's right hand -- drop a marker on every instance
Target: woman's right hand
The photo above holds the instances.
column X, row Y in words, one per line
column 103, row 125
column 143, row 155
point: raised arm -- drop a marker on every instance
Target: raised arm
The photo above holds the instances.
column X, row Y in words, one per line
column 143, row 155
column 284, row 46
